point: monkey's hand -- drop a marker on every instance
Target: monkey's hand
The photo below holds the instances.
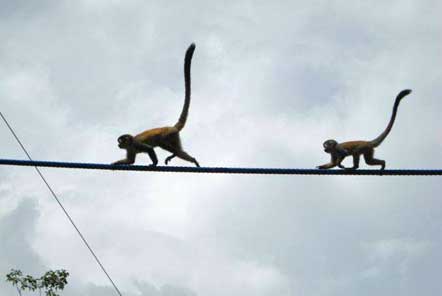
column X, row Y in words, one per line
column 122, row 161
column 323, row 167
column 348, row 169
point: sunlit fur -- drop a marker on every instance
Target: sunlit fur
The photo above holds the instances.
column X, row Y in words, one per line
column 167, row 138
column 339, row 151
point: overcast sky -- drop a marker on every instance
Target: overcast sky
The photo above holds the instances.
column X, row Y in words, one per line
column 271, row 81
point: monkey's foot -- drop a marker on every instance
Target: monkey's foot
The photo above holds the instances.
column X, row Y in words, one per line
column 121, row 163
column 381, row 171
column 169, row 158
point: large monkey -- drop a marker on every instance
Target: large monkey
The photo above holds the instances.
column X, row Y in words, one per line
column 167, row 138
column 339, row 151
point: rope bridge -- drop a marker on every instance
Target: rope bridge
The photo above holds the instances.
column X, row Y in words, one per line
column 219, row 170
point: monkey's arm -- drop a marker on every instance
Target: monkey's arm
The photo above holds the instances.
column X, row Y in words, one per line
column 149, row 150
column 130, row 158
column 344, row 167
column 342, row 153
column 356, row 157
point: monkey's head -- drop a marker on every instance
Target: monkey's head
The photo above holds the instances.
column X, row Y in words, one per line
column 125, row 141
column 330, row 146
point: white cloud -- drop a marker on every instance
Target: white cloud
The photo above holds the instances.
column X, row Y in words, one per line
column 271, row 81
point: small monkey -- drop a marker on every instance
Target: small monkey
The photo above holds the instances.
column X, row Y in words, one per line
column 167, row 138
column 339, row 151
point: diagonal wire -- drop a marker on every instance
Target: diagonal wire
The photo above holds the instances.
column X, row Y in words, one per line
column 61, row 206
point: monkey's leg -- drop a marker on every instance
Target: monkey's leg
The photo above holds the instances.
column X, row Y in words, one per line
column 183, row 155
column 169, row 158
column 370, row 160
column 153, row 156
column 171, row 147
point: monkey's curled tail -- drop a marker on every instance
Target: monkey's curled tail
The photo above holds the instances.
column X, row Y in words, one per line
column 376, row 142
column 187, row 61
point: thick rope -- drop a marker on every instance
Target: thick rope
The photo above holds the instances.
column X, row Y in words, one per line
column 220, row 170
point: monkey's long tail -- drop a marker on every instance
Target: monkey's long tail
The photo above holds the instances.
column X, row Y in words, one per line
column 376, row 142
column 187, row 61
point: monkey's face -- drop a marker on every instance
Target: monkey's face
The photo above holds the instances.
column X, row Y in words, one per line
column 125, row 141
column 330, row 146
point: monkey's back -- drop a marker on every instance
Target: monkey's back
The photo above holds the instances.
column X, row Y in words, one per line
column 355, row 146
column 156, row 135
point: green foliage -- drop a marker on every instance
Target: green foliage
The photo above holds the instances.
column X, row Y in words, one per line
column 49, row 283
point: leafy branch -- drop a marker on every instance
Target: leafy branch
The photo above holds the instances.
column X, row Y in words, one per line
column 50, row 283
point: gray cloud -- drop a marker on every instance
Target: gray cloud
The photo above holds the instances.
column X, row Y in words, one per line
column 16, row 234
